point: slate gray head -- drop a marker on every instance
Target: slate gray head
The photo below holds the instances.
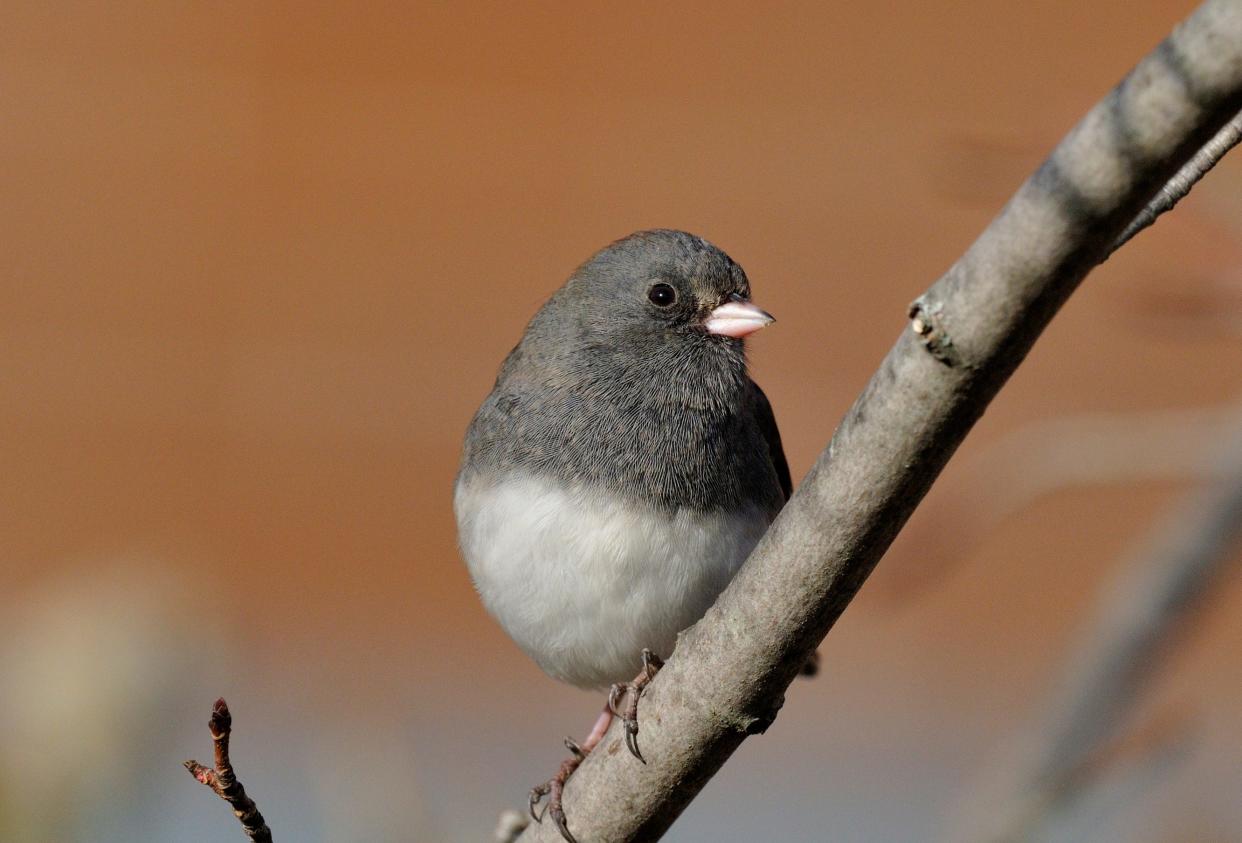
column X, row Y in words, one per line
column 651, row 290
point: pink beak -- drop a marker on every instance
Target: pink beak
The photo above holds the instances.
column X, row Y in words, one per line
column 737, row 319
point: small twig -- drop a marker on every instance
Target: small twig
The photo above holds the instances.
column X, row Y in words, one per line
column 1190, row 173
column 224, row 781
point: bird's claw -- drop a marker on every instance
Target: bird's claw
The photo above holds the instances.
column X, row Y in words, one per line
column 632, row 691
column 631, row 736
column 615, row 693
column 811, row 666
column 536, row 794
column 553, row 788
column 558, row 817
column 651, row 664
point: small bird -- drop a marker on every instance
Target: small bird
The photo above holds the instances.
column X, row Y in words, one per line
column 621, row 470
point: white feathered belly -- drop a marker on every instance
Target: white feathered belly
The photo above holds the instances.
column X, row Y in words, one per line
column 583, row 583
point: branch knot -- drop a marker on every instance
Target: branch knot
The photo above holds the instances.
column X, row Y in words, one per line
column 927, row 322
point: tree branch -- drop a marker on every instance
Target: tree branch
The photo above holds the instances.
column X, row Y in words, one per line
column 970, row 330
column 224, row 781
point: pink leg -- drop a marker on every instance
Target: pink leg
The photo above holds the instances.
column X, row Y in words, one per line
column 597, row 731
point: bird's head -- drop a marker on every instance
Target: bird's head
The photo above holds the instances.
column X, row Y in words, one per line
column 658, row 287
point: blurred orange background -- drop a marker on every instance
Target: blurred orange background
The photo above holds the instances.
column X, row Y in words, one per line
column 261, row 264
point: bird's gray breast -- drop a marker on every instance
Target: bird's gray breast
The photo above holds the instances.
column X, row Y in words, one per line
column 646, row 441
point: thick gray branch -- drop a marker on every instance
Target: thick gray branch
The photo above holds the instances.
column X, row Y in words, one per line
column 970, row 330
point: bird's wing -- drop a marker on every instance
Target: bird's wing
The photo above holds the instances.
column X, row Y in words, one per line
column 767, row 425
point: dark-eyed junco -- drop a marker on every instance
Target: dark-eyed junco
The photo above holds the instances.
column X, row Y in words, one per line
column 622, row 468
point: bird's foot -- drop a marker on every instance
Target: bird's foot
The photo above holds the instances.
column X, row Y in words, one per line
column 631, row 691
column 554, row 786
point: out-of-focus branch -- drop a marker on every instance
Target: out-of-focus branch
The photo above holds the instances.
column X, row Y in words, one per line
column 727, row 677
column 1140, row 617
column 1041, row 458
column 510, row 825
column 1037, row 459
column 224, row 781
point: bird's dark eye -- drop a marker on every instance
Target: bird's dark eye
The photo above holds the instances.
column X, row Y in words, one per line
column 661, row 295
